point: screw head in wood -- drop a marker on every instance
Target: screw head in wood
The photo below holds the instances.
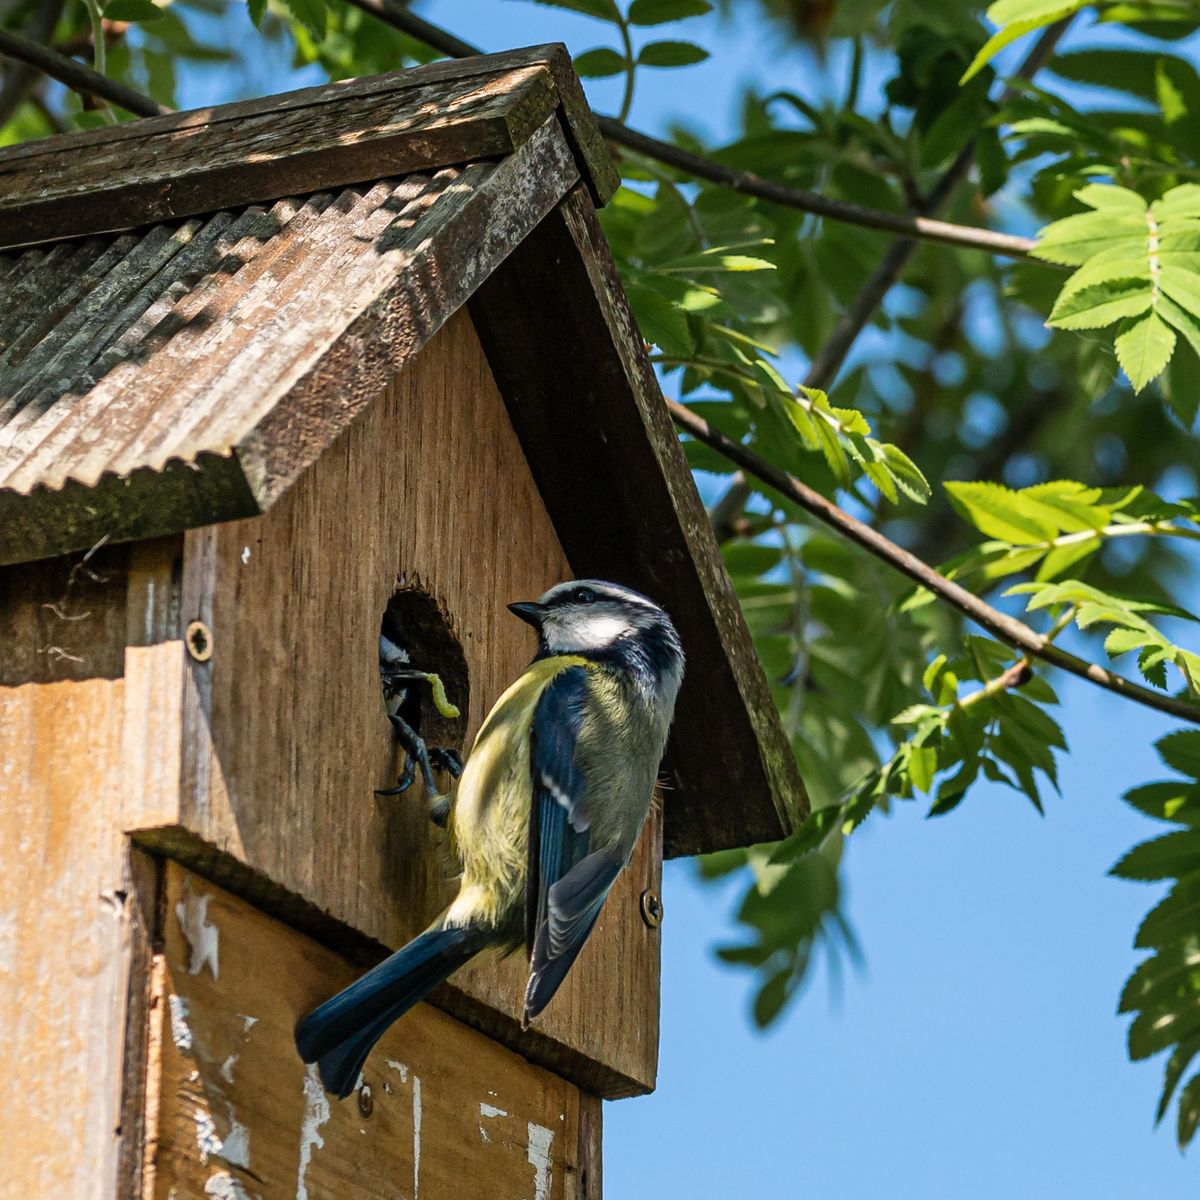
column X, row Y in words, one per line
column 199, row 641
column 366, row 1102
column 652, row 909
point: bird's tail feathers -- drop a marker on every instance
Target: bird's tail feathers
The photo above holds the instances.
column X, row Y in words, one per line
column 340, row 1033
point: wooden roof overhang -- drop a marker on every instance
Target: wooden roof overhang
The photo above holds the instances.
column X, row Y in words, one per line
column 194, row 306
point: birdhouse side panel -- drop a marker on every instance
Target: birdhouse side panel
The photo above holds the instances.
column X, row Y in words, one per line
column 442, row 1112
column 285, row 736
column 71, row 940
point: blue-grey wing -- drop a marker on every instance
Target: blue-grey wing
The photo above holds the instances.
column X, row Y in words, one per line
column 567, row 881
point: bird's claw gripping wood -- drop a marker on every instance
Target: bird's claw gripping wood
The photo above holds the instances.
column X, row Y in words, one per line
column 417, row 755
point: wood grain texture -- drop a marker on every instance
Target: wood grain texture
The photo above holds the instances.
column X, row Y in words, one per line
column 284, row 737
column 184, row 164
column 447, row 1114
column 338, row 139
column 72, row 939
column 583, row 398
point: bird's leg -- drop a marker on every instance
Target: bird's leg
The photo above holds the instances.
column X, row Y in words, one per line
column 416, row 753
column 444, row 758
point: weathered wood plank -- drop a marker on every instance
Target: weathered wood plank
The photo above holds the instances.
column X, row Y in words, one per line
column 284, row 736
column 574, row 372
column 72, row 937
column 347, row 139
column 445, row 1113
column 184, row 164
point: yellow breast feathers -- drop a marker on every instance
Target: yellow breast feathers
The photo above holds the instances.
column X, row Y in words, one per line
column 489, row 821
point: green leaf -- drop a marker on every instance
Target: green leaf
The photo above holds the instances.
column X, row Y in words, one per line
column 1160, row 975
column 771, row 998
column 1189, row 1113
column 313, row 15
column 1001, row 513
column 906, row 473
column 133, row 10
column 1162, row 1025
column 1166, row 857
column 257, row 10
column 922, row 767
column 602, row 10
column 660, row 321
column 1144, row 349
column 1177, row 1064
column 1181, row 751
column 1104, row 304
column 670, row 54
column 1076, row 239
column 1017, row 18
column 812, row 832
column 599, row 63
column 659, row 12
column 1176, row 916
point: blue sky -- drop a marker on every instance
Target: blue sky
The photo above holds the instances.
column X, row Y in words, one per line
column 978, row 1054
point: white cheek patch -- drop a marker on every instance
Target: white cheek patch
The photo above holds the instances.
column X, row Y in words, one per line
column 600, row 631
column 593, row 632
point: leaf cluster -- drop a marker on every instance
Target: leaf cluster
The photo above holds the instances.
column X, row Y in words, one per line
column 1163, row 992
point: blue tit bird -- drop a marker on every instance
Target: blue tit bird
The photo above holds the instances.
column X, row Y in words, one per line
column 542, row 819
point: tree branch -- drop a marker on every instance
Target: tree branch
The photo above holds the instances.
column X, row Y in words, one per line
column 393, row 13
column 76, row 76
column 1000, row 625
column 20, row 79
column 828, row 361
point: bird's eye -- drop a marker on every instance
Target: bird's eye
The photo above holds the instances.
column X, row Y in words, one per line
column 583, row 596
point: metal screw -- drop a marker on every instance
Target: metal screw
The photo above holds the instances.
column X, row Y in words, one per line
column 652, row 909
column 199, row 640
column 366, row 1102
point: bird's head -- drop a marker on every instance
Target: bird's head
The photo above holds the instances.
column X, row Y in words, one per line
column 598, row 619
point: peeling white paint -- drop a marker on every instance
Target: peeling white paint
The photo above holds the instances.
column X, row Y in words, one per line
column 235, row 1149
column 201, row 935
column 316, row 1113
column 399, row 1066
column 540, row 1141
column 245, row 555
column 181, row 1031
column 416, row 1090
column 227, row 1068
column 488, row 1112
column 248, row 1023
column 208, row 1141
column 222, row 1185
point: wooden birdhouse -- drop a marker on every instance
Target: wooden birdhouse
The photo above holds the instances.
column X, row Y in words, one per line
column 271, row 375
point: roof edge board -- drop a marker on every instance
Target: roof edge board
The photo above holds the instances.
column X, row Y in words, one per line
column 50, row 191
column 393, row 316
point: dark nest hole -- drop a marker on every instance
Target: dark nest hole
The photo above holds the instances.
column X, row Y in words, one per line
column 414, row 622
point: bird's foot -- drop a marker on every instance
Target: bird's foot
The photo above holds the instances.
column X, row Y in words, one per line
column 419, row 756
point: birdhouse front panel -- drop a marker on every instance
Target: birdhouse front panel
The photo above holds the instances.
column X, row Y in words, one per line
column 442, row 1112
column 284, row 732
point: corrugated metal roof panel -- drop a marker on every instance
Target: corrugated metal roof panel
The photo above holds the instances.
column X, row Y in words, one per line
column 125, row 352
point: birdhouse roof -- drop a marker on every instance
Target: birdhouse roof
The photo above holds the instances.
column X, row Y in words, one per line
column 194, row 306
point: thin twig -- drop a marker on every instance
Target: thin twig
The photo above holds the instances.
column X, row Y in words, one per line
column 1000, row 625
column 76, row 76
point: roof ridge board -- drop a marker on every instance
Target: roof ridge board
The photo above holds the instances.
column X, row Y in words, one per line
column 550, row 54
column 177, row 175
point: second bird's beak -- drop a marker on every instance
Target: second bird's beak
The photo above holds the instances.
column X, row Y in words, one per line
column 528, row 611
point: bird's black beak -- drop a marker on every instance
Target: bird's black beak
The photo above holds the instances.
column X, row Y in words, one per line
column 528, row 611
